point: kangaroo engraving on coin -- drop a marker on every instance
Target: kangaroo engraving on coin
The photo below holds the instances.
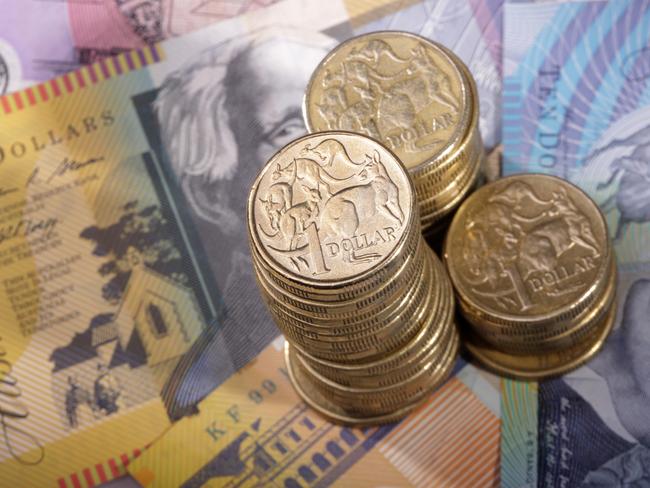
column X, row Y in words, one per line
column 394, row 87
column 529, row 245
column 331, row 206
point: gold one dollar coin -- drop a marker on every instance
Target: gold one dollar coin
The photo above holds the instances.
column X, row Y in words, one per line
column 399, row 88
column 528, row 250
column 330, row 208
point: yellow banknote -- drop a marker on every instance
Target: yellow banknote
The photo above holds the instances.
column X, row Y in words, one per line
column 97, row 294
column 126, row 287
column 254, row 431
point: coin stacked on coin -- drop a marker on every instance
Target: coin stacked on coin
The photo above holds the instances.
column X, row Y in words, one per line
column 365, row 306
column 418, row 99
column 534, row 274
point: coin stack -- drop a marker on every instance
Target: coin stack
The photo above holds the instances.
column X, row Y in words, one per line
column 534, row 274
column 366, row 308
column 418, row 99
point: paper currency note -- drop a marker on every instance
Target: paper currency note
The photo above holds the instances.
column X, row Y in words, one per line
column 43, row 39
column 110, row 275
column 576, row 104
column 40, row 40
column 254, row 431
column 126, row 289
column 473, row 30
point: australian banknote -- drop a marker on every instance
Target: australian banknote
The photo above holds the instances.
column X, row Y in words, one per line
column 576, row 104
column 254, row 431
column 43, row 39
column 126, row 287
column 40, row 40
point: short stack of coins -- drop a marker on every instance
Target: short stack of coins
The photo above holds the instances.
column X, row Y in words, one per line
column 418, row 99
column 534, row 274
column 365, row 306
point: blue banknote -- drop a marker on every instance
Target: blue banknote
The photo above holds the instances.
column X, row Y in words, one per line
column 576, row 104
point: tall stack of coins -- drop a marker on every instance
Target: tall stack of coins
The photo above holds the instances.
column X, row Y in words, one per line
column 417, row 98
column 366, row 308
column 534, row 274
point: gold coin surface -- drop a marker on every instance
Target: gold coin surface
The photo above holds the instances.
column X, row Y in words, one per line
column 402, row 260
column 542, row 365
column 327, row 408
column 396, row 87
column 367, row 312
column 389, row 286
column 528, row 249
column 466, row 156
column 535, row 339
column 418, row 295
column 330, row 208
column 370, row 378
column 441, row 315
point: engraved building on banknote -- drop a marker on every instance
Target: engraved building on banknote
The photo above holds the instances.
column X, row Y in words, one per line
column 125, row 358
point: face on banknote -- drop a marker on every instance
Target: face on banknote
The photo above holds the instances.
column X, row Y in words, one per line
column 126, row 290
column 576, row 104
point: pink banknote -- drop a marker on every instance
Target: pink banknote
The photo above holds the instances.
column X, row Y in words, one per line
column 43, row 39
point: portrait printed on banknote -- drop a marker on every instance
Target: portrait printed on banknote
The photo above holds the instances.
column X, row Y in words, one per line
column 596, row 418
column 216, row 121
column 612, row 390
column 590, row 126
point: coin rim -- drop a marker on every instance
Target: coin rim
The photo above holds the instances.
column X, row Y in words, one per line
column 374, row 419
column 582, row 321
column 330, row 283
column 592, row 346
column 525, row 319
column 445, row 304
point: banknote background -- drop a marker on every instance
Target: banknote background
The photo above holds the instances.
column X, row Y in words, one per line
column 156, row 232
column 254, row 431
column 165, row 308
column 575, row 104
column 42, row 39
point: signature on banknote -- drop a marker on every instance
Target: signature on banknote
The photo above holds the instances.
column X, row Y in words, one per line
column 12, row 411
column 72, row 165
column 27, row 227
